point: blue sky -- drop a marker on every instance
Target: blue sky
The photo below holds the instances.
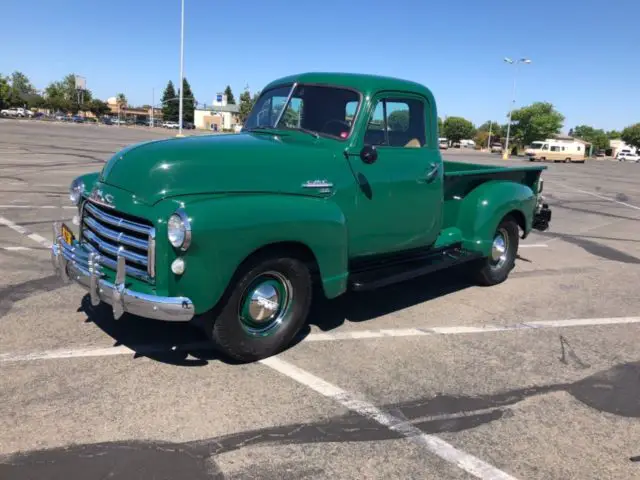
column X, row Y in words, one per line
column 585, row 54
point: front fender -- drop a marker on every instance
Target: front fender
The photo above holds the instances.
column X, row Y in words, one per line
column 227, row 229
column 483, row 209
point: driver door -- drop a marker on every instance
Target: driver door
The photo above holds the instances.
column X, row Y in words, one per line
column 400, row 195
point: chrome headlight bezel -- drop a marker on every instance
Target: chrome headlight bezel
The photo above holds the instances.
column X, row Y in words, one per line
column 179, row 230
column 76, row 190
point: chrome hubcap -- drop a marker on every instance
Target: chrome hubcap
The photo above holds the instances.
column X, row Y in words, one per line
column 265, row 303
column 500, row 249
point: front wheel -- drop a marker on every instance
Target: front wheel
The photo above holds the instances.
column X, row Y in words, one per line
column 495, row 268
column 265, row 309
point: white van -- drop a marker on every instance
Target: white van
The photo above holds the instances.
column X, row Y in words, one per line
column 556, row 151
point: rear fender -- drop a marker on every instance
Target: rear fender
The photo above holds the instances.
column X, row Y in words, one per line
column 226, row 230
column 485, row 206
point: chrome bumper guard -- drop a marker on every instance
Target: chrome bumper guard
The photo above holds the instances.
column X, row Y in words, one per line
column 75, row 263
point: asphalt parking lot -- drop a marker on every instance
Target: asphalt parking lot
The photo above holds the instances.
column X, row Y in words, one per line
column 537, row 378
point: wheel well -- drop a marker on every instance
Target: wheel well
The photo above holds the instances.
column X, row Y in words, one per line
column 519, row 218
column 296, row 250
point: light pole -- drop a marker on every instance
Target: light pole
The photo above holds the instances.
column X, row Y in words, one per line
column 505, row 156
column 181, row 70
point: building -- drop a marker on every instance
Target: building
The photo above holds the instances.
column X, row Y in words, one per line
column 125, row 111
column 617, row 145
column 219, row 116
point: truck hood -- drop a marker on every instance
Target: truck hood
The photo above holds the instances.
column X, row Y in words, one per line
column 245, row 162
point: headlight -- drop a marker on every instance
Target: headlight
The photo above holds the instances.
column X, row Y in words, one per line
column 179, row 230
column 76, row 190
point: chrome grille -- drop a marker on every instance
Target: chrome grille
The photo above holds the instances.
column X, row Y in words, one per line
column 112, row 233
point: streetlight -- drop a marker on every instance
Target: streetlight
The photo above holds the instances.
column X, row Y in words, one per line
column 505, row 156
column 181, row 70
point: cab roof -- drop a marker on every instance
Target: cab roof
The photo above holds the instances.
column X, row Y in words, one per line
column 364, row 83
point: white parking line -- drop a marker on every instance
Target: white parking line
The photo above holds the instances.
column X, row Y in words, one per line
column 16, row 249
column 23, row 231
column 328, row 337
column 431, row 443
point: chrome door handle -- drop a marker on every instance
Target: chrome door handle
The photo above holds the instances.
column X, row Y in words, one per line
column 431, row 173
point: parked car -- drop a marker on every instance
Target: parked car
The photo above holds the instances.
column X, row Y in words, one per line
column 443, row 144
column 171, row 125
column 496, row 147
column 628, row 157
column 235, row 232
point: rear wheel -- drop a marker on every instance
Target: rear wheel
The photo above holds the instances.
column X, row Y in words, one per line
column 495, row 268
column 265, row 310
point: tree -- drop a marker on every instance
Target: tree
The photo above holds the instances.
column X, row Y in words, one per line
column 21, row 90
column 188, row 102
column 495, row 128
column 595, row 137
column 4, row 92
column 121, row 100
column 98, row 107
column 458, row 128
column 613, row 134
column 631, row 135
column 537, row 121
column 231, row 100
column 62, row 95
column 246, row 104
column 439, row 124
column 399, row 120
column 169, row 103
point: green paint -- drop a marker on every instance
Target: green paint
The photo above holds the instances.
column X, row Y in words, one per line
column 244, row 192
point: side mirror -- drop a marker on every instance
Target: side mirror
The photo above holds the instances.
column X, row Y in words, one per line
column 368, row 154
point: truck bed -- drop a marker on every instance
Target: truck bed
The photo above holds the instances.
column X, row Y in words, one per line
column 461, row 177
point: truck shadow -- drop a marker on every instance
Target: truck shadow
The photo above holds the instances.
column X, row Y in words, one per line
column 184, row 344
column 362, row 306
column 180, row 344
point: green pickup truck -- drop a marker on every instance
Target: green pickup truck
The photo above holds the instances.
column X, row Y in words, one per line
column 335, row 182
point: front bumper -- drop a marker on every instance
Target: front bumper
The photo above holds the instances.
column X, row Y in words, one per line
column 75, row 263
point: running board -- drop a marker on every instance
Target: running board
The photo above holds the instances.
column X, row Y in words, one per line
column 389, row 274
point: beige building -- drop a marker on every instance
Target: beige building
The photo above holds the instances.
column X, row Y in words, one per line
column 126, row 111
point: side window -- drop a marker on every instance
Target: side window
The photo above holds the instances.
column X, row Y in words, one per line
column 555, row 149
column 545, row 147
column 397, row 122
column 578, row 148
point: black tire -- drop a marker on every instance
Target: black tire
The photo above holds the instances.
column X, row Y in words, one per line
column 236, row 336
column 490, row 271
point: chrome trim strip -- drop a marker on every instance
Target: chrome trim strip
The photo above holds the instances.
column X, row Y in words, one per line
column 107, row 262
column 286, row 104
column 173, row 309
column 117, row 221
column 115, row 251
column 151, row 254
column 317, row 184
column 119, row 237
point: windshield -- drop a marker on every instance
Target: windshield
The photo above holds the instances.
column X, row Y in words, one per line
column 537, row 145
column 323, row 110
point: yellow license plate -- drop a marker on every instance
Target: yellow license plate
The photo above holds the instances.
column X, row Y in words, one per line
column 67, row 235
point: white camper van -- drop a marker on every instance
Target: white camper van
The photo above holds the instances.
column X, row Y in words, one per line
column 556, row 151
